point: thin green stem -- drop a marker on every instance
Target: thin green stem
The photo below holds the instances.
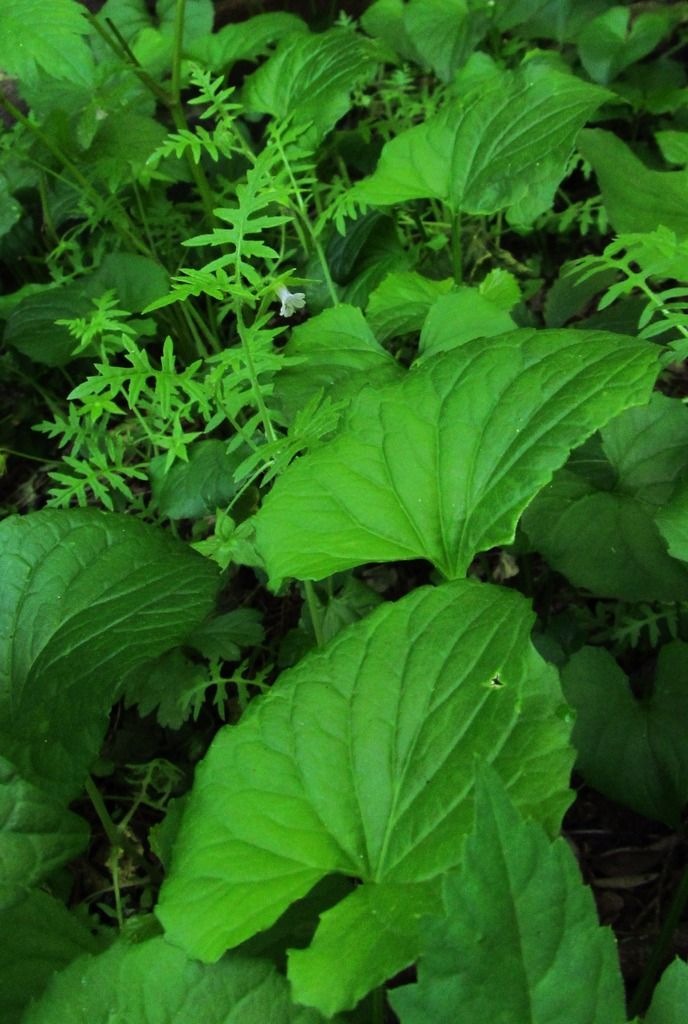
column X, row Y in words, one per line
column 302, row 213
column 109, row 827
column 456, row 249
column 377, row 1005
column 23, row 455
column 251, row 366
column 641, row 996
column 314, row 611
column 120, row 47
column 121, row 222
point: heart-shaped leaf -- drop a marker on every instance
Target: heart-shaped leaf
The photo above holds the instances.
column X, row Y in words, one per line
column 441, row 465
column 632, row 750
column 359, row 761
column 477, row 157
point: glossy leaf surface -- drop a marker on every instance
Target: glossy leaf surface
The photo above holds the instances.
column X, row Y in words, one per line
column 359, row 762
column 441, row 465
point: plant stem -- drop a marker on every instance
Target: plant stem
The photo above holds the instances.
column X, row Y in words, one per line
column 377, row 1001
column 641, row 996
column 109, row 827
column 314, row 611
column 457, row 254
column 121, row 223
column 177, row 112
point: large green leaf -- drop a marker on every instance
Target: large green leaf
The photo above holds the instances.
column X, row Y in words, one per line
column 459, row 317
column 243, row 40
column 359, row 761
column 39, row 937
column 50, row 36
column 672, row 521
column 519, row 941
column 605, row 537
column 88, row 595
column 336, row 353
column 310, row 77
column 609, row 43
column 632, row 750
column 154, row 983
column 478, row 157
column 636, row 199
column 36, row 835
column 604, row 541
column 441, row 465
column 670, row 997
column 401, row 302
column 444, row 32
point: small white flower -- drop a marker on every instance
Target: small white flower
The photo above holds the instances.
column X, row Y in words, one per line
column 291, row 301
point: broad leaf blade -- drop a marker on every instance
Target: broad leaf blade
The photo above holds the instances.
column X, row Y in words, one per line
column 310, row 77
column 633, row 751
column 154, row 983
column 442, row 465
column 376, row 926
column 520, row 940
column 36, row 835
column 50, row 36
column 39, row 938
column 359, row 762
column 636, row 198
column 478, row 158
column 670, row 998
column 337, row 354
column 89, row 596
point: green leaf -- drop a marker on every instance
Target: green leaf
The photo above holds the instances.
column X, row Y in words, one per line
column 604, row 536
column 10, row 209
column 672, row 521
column 444, row 32
column 346, row 934
column 122, row 145
column 225, row 635
column 196, row 487
column 138, row 280
column 310, row 78
column 32, row 330
column 198, row 17
column 648, row 448
column 36, row 835
column 634, row 751
column 609, row 43
column 461, row 316
column 244, row 40
column 604, row 541
column 129, row 16
column 338, row 355
column 441, row 465
column 89, row 595
column 670, row 997
column 478, row 158
column 384, row 19
column 520, row 939
column 636, row 199
column 34, row 34
column 154, row 983
column 359, row 762
column 673, row 146
column 401, row 302
column 39, row 937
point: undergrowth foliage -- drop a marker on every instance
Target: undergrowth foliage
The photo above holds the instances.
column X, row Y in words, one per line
column 346, row 452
